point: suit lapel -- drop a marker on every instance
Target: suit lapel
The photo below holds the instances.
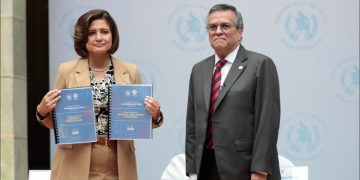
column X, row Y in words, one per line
column 236, row 69
column 82, row 74
column 207, row 73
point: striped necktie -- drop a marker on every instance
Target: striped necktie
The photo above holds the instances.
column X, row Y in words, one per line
column 215, row 91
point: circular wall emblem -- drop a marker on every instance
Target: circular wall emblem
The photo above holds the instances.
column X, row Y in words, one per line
column 150, row 73
column 187, row 28
column 301, row 137
column 67, row 22
column 346, row 76
column 301, row 25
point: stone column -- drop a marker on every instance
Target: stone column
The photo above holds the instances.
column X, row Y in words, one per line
column 14, row 158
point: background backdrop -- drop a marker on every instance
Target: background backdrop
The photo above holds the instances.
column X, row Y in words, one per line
column 315, row 45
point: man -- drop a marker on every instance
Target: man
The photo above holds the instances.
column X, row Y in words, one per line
column 233, row 111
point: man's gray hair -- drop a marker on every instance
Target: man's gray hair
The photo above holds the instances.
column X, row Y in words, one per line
column 224, row 7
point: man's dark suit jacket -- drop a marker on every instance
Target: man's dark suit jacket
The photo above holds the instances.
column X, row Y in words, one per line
column 246, row 119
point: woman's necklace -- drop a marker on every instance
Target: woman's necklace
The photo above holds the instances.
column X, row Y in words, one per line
column 100, row 70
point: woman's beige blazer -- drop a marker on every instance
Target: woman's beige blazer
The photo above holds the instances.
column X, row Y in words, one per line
column 72, row 161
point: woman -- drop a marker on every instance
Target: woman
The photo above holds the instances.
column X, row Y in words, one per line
column 96, row 38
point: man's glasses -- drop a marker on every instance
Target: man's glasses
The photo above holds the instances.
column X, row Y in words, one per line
column 223, row 27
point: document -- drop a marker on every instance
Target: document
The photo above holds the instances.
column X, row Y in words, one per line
column 128, row 117
column 74, row 117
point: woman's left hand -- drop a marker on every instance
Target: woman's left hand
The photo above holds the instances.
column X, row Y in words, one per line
column 153, row 107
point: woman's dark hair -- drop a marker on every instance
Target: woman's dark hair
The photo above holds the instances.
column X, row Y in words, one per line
column 82, row 26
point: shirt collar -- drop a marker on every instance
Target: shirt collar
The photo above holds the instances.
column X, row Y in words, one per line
column 230, row 57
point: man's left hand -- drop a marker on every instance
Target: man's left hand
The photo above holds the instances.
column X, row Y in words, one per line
column 258, row 176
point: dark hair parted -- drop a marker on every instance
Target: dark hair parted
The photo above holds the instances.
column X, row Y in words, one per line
column 82, row 26
column 225, row 7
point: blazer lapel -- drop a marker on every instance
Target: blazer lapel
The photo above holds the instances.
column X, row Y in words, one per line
column 82, row 74
column 236, row 69
column 121, row 73
column 207, row 73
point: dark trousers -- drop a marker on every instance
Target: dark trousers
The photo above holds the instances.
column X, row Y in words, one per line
column 208, row 168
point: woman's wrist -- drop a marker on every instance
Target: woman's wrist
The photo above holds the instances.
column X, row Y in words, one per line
column 157, row 121
column 40, row 114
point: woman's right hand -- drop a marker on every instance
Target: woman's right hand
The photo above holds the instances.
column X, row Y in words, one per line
column 48, row 102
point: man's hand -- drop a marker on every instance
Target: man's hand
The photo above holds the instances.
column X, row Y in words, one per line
column 258, row 176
